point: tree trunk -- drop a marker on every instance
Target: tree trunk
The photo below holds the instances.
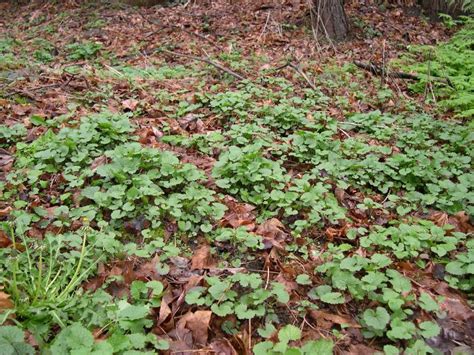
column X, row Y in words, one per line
column 435, row 7
column 329, row 19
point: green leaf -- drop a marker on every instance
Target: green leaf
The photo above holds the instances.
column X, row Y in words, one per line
column 303, row 279
column 162, row 344
column 377, row 319
column 289, row 333
column 156, row 286
column 266, row 332
column 37, row 120
column 12, row 341
column 455, row 268
column 427, row 303
column 320, row 347
column 131, row 312
column 262, row 348
column 11, row 334
column 429, row 329
column 194, row 296
column 391, row 350
column 280, row 292
column 218, row 289
column 399, row 282
column 381, row 260
column 73, row 337
column 333, row 298
column 401, row 329
column 222, row 309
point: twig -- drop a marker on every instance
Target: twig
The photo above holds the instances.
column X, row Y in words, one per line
column 297, row 68
column 250, row 334
column 313, row 30
column 377, row 70
column 208, row 40
column 301, row 72
column 383, row 64
column 41, row 87
column 204, row 60
column 344, row 132
column 264, row 27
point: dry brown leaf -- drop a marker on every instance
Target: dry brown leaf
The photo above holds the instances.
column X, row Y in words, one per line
column 223, row 347
column 360, row 349
column 333, row 318
column 457, row 308
column 439, row 218
column 4, row 240
column 5, row 211
column 198, row 324
column 273, row 233
column 201, row 258
column 290, row 285
column 130, row 104
column 99, row 161
column 238, row 214
column 165, row 311
column 5, row 302
column 6, row 160
column 20, row 110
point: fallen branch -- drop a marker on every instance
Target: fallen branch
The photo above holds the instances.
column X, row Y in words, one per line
column 378, row 70
column 204, row 60
column 29, row 91
column 300, row 71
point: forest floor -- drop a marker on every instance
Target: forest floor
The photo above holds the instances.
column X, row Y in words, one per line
column 209, row 178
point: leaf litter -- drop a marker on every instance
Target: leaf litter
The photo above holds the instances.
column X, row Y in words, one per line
column 251, row 268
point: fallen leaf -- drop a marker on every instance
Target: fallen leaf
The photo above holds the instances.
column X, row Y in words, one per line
column 129, row 104
column 273, row 233
column 5, row 211
column 4, row 240
column 457, row 308
column 99, row 161
column 198, row 324
column 20, row 110
column 5, row 302
column 238, row 214
column 136, row 225
column 439, row 218
column 165, row 311
column 201, row 258
column 333, row 318
column 6, row 160
column 359, row 349
column 222, row 347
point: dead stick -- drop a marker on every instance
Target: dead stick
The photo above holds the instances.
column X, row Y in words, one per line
column 377, row 70
column 204, row 60
column 297, row 68
column 301, row 72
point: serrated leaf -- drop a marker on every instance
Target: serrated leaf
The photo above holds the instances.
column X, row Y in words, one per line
column 401, row 329
column 391, row 350
column 455, row 268
column 320, row 347
column 303, row 279
column 429, row 329
column 377, row 319
column 427, row 303
column 280, row 292
column 332, row 298
column 289, row 333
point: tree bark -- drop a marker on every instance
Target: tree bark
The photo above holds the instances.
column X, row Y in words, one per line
column 329, row 19
column 435, row 7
